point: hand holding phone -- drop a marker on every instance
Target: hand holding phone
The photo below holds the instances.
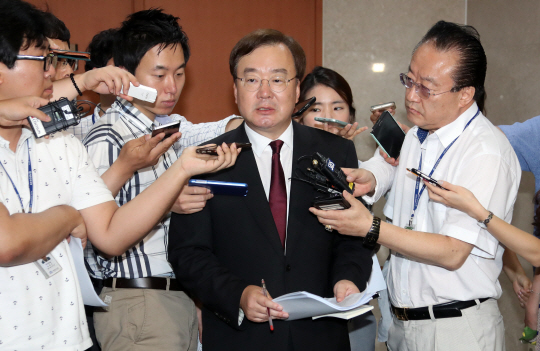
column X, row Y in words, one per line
column 169, row 129
column 388, row 134
column 425, row 177
column 212, row 150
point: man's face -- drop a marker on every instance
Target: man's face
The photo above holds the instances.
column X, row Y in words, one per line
column 27, row 77
column 63, row 68
column 164, row 71
column 433, row 69
column 265, row 111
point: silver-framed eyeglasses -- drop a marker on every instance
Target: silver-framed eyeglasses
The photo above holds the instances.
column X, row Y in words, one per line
column 277, row 84
column 421, row 89
column 47, row 59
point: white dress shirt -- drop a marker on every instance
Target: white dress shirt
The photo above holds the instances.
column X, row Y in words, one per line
column 482, row 161
column 263, row 157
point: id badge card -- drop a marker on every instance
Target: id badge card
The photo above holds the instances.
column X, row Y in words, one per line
column 48, row 265
column 410, row 225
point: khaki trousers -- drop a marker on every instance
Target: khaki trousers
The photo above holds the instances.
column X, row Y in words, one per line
column 480, row 328
column 146, row 319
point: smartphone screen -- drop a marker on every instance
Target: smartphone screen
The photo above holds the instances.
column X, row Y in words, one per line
column 169, row 129
column 388, row 134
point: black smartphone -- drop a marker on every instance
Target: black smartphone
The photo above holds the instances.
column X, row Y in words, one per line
column 388, row 134
column 218, row 187
column 302, row 106
column 211, row 150
column 169, row 129
column 425, row 177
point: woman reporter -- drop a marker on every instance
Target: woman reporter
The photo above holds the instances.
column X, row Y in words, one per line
column 334, row 100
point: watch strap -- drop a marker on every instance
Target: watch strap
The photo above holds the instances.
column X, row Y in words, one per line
column 372, row 236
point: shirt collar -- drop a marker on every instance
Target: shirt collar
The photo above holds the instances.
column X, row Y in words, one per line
column 128, row 109
column 25, row 134
column 260, row 142
column 451, row 131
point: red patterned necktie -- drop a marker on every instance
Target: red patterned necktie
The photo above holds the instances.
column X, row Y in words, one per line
column 278, row 192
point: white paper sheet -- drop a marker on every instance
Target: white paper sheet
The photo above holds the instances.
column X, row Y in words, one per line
column 89, row 295
column 302, row 304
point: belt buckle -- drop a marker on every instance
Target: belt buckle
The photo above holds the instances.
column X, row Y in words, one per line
column 401, row 314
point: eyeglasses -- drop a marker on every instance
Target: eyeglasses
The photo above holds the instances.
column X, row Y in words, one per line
column 63, row 63
column 421, row 89
column 47, row 60
column 254, row 83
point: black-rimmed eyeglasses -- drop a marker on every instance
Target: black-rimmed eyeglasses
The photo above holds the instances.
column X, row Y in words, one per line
column 421, row 89
column 47, row 60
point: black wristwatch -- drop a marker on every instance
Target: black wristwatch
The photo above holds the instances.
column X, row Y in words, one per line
column 483, row 224
column 372, row 235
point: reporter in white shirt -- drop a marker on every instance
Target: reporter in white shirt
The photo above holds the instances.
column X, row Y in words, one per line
column 441, row 256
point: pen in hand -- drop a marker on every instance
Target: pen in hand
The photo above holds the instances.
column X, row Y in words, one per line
column 265, row 292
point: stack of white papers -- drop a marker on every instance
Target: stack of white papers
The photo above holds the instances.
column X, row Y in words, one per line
column 302, row 304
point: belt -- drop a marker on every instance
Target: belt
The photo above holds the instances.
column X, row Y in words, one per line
column 443, row 310
column 144, row 283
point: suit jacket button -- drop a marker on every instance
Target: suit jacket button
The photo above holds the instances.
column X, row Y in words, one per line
column 288, row 268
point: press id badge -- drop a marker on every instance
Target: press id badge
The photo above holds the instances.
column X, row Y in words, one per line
column 48, row 265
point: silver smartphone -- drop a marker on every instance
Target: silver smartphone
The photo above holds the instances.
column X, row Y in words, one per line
column 338, row 123
column 385, row 106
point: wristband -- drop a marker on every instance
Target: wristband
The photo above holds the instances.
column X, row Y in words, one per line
column 372, row 235
column 75, row 84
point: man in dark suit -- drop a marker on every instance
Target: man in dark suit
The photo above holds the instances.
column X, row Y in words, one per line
column 222, row 253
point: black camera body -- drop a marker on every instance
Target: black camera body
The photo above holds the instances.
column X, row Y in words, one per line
column 63, row 113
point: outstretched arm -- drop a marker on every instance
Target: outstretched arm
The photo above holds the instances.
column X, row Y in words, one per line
column 113, row 230
column 517, row 240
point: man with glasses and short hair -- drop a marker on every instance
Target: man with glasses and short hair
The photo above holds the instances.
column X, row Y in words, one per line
column 59, row 36
column 222, row 252
column 443, row 271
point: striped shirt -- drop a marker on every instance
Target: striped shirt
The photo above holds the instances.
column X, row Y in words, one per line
column 122, row 123
column 80, row 130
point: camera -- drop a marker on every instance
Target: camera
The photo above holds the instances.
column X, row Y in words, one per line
column 63, row 113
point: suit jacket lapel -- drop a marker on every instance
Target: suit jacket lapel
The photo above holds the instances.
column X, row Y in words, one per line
column 256, row 201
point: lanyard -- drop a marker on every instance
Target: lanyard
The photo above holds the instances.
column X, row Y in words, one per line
column 417, row 191
column 30, row 182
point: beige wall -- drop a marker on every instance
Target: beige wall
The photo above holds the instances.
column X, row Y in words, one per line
column 358, row 33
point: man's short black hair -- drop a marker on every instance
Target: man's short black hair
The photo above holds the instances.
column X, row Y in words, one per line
column 472, row 66
column 21, row 27
column 142, row 31
column 267, row 37
column 101, row 49
column 56, row 29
